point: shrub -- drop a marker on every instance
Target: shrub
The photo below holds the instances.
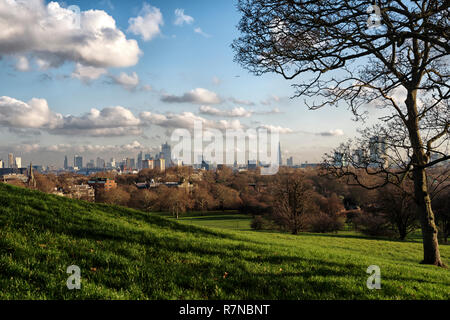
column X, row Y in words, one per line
column 261, row 223
column 373, row 224
column 322, row 223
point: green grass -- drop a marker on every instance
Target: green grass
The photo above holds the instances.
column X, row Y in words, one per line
column 144, row 256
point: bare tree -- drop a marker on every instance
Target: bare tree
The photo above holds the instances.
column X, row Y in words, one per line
column 391, row 54
column 399, row 209
column 293, row 201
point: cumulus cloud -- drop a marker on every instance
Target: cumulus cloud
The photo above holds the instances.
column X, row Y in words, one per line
column 86, row 73
column 181, row 18
column 238, row 112
column 110, row 121
column 186, row 120
column 129, row 82
column 147, row 24
column 34, row 114
column 196, row 96
column 53, row 35
column 279, row 129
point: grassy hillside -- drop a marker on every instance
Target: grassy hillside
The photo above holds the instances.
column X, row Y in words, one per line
column 127, row 254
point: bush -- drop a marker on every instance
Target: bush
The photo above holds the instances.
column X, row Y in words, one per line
column 323, row 223
column 261, row 223
column 371, row 224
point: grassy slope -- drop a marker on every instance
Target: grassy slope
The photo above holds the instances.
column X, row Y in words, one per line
column 143, row 256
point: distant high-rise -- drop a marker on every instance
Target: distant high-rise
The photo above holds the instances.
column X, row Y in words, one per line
column 78, row 162
column 139, row 160
column 130, row 163
column 100, row 163
column 160, row 164
column 166, row 151
column 280, row 160
column 1, row 164
column 377, row 146
column 10, row 160
column 66, row 163
column 290, row 162
column 18, row 162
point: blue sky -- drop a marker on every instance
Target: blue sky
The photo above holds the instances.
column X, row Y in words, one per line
column 174, row 61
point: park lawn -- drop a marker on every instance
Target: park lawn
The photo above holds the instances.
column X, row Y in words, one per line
column 128, row 254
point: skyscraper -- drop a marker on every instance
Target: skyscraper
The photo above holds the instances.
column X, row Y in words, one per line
column 139, row 160
column 1, row 164
column 100, row 163
column 290, row 162
column 10, row 160
column 66, row 163
column 166, row 151
column 377, row 146
column 280, row 160
column 78, row 162
column 18, row 162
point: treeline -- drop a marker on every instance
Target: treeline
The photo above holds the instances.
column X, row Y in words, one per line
column 293, row 200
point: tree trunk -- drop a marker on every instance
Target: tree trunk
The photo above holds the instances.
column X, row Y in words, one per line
column 431, row 254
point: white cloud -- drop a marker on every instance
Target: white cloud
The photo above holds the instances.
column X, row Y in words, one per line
column 196, row 96
column 129, row 82
column 147, row 23
column 53, row 35
column 110, row 121
column 186, row 120
column 238, row 112
column 278, row 129
column 202, row 33
column 182, row 18
column 32, row 114
column 87, row 74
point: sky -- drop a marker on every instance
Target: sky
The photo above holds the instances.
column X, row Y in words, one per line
column 119, row 77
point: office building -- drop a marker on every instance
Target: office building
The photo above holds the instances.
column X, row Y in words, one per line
column 160, row 164
column 280, row 159
column 66, row 163
column 18, row 162
column 148, row 164
column 139, row 160
column 290, row 162
column 10, row 161
column 100, row 163
column 78, row 162
column 166, row 152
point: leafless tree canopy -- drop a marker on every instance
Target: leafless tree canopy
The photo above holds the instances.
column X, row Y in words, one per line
column 392, row 55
